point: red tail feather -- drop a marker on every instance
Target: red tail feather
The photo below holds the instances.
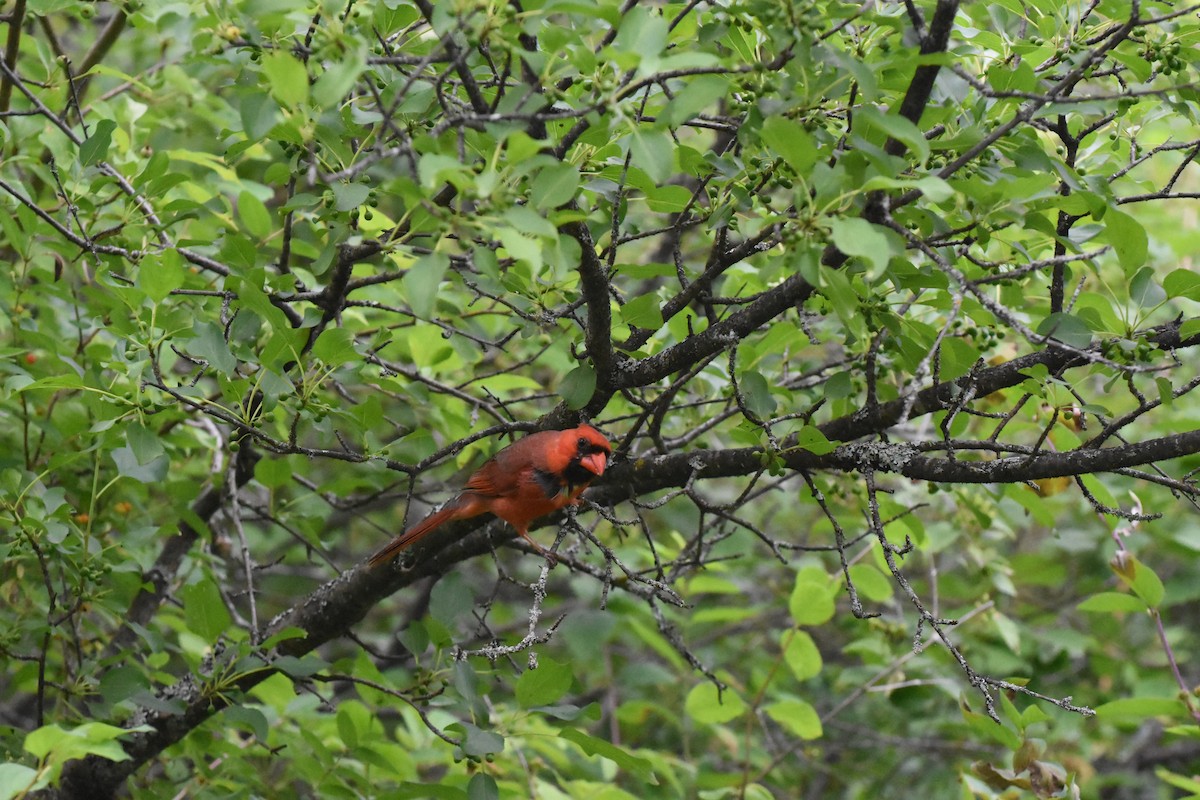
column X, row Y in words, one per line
column 451, row 511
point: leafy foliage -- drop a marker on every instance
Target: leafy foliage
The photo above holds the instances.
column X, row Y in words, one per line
column 886, row 307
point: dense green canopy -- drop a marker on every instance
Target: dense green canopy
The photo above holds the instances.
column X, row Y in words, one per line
column 888, row 310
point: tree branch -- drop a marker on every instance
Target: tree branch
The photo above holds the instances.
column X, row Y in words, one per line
column 12, row 48
column 791, row 292
column 598, row 338
column 936, row 40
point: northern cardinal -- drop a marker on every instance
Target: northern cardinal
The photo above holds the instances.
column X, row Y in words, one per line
column 530, row 478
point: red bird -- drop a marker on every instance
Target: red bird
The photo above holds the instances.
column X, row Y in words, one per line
column 530, row 478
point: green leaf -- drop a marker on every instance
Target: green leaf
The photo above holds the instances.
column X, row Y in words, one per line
column 1182, row 283
column 1033, row 715
column 1137, row 576
column 797, row 717
column 258, row 114
column 544, row 685
column 790, row 141
column 568, row 712
column 476, row 741
column 1109, row 602
column 703, row 91
column 933, row 187
column 65, row 381
column 346, row 728
column 415, row 637
column 287, row 77
column 349, row 196
column 249, row 718
column 434, row 168
column 204, row 611
column 554, row 186
column 895, row 127
column 710, row 706
column 1166, row 392
column 426, row 791
column 593, row 746
column 1009, row 631
column 56, row 744
column 121, row 683
column 650, row 151
column 531, row 223
column 335, row 346
column 801, row 655
column 1145, row 583
column 208, row 343
column 757, row 394
column 95, row 147
column 252, row 297
column 339, row 77
column 450, row 599
column 1144, row 290
column 521, row 246
column 1066, row 328
column 1128, row 239
column 871, row 583
column 466, row 681
column 643, row 32
column 423, row 281
column 707, row 583
column 741, row 41
column 254, row 215
column 482, row 787
column 129, row 467
column 143, row 443
column 811, row 439
column 668, row 199
column 1093, row 484
column 811, row 602
column 290, row 632
column 1141, row 707
column 1190, row 785
column 1188, row 536
column 1033, row 503
column 839, row 386
column 836, row 286
column 41, row 741
column 643, row 311
column 17, row 779
column 857, row 237
column 239, row 251
column 957, row 357
column 578, row 386
column 986, row 728
column 1186, row 731
column 159, row 274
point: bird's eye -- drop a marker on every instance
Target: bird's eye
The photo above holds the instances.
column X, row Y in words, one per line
column 582, row 442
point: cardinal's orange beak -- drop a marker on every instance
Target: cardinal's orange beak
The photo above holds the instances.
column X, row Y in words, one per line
column 594, row 463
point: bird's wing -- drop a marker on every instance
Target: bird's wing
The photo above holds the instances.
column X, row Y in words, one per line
column 490, row 481
column 504, row 473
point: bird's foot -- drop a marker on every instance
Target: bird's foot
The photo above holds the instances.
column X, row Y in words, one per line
column 553, row 559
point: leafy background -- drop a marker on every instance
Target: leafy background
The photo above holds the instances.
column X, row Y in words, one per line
column 888, row 309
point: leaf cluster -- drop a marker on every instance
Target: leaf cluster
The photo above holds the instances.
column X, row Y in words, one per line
column 887, row 309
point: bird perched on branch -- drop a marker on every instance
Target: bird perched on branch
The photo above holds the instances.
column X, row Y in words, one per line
column 530, row 478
